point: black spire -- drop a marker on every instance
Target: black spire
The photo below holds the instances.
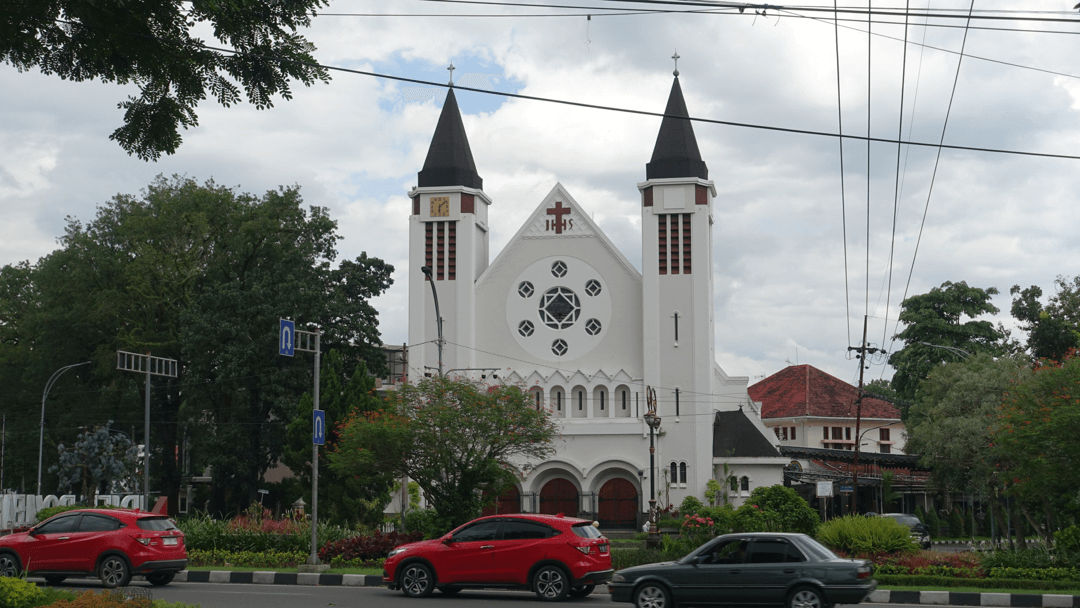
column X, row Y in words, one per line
column 676, row 153
column 449, row 160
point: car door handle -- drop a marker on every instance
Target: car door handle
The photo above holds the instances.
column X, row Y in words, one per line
column 63, row 538
column 487, row 546
column 789, row 571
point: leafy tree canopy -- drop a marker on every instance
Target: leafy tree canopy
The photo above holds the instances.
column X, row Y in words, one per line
column 454, row 438
column 951, row 425
column 100, row 460
column 940, row 326
column 153, row 46
column 1053, row 329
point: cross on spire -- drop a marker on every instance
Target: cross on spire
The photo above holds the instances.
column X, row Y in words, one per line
column 676, row 58
column 451, row 69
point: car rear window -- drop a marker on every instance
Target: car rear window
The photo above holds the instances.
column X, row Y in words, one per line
column 907, row 520
column 156, row 524
column 586, row 530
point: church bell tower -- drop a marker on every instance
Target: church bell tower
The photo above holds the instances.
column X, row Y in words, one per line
column 448, row 246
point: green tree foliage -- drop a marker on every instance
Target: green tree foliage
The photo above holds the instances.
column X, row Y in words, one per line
column 156, row 47
column 455, row 438
column 938, row 326
column 101, row 460
column 1053, row 329
column 776, row 509
column 1035, row 437
column 201, row 274
column 345, row 390
column 860, row 535
column 951, row 425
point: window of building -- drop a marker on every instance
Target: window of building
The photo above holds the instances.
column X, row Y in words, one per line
column 793, row 433
column 847, row 433
column 886, row 448
column 783, row 433
column 674, row 467
column 824, row 432
column 682, row 472
column 603, row 397
column 744, row 484
column 580, row 400
column 883, row 434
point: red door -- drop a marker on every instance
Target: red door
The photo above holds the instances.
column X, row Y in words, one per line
column 559, row 496
column 618, row 506
column 508, row 502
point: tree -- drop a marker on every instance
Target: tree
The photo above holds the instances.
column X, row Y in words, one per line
column 154, row 45
column 342, row 497
column 941, row 326
column 455, row 438
column 100, row 460
column 199, row 273
column 1054, row 329
column 1035, row 439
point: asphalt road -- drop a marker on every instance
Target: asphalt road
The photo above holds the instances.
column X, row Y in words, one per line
column 215, row 595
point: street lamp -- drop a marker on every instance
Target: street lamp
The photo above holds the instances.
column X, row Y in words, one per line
column 438, row 317
column 45, row 395
column 653, row 421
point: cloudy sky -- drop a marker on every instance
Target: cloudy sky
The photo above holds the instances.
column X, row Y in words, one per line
column 782, row 293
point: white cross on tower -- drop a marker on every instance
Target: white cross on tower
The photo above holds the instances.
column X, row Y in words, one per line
column 676, row 58
column 451, row 69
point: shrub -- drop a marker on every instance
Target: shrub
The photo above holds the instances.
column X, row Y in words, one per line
column 253, row 559
column 18, row 593
column 856, row 534
column 776, row 509
column 374, row 546
column 625, row 558
column 1035, row 556
column 113, row 599
column 244, row 534
column 424, row 521
column 1067, row 540
column 691, row 504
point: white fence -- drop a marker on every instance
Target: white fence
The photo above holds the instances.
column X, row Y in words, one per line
column 18, row 510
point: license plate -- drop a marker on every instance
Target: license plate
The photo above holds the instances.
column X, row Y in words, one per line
column 168, row 540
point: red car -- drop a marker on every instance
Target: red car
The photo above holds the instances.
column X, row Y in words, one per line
column 552, row 555
column 112, row 544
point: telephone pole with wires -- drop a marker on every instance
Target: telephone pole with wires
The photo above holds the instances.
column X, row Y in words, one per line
column 861, row 356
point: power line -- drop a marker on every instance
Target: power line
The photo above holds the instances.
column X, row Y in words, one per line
column 896, row 182
column 843, row 195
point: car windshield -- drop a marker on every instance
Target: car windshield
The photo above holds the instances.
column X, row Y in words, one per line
column 817, row 549
column 907, row 520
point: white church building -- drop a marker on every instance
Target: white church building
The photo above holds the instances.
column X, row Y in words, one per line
column 563, row 313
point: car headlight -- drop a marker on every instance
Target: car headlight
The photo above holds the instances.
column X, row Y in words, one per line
column 618, row 578
column 396, row 551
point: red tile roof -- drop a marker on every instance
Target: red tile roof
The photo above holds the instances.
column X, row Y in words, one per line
column 804, row 390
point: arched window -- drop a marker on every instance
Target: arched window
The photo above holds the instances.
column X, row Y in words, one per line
column 734, row 483
column 578, row 410
column 682, row 472
column 621, row 406
column 744, row 484
column 674, row 472
column 538, row 396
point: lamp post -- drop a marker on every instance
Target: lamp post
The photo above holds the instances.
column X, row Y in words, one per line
column 45, row 395
column 653, row 421
column 438, row 317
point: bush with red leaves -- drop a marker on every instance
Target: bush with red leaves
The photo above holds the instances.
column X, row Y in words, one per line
column 374, row 546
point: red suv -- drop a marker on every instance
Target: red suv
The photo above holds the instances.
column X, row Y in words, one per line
column 112, row 544
column 552, row 555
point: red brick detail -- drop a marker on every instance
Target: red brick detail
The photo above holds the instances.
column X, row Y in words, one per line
column 451, row 251
column 804, row 390
column 647, row 197
column 701, row 195
column 440, row 249
column 468, row 203
column 428, row 245
column 662, row 245
column 676, row 238
column 416, row 205
column 686, row 242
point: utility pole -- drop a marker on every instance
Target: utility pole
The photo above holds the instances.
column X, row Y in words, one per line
column 862, row 350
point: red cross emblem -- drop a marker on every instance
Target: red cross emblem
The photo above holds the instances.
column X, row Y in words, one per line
column 559, row 222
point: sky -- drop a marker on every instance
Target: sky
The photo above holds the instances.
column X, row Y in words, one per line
column 803, row 249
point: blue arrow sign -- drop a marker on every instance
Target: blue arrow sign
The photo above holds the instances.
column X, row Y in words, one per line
column 286, row 338
column 318, row 427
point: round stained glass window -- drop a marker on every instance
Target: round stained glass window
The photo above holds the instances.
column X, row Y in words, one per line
column 558, row 269
column 559, row 308
column 559, row 347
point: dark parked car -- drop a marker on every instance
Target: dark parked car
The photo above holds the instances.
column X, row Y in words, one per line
column 919, row 532
column 112, row 544
column 552, row 555
column 763, row 568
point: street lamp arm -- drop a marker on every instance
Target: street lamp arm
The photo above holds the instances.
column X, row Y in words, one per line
column 41, row 432
column 438, row 316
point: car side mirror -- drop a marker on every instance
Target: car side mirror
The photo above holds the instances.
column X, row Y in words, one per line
column 32, row 532
column 448, row 540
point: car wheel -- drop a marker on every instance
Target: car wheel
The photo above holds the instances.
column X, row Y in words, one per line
column 417, row 580
column 54, row 579
column 158, row 579
column 449, row 590
column 114, row 571
column 9, row 565
column 551, row 584
column 581, row 590
column 806, row 597
column 652, row 595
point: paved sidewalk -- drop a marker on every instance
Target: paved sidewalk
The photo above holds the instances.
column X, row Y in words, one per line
column 881, row 596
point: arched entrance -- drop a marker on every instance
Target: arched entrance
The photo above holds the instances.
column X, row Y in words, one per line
column 559, row 496
column 508, row 502
column 618, row 506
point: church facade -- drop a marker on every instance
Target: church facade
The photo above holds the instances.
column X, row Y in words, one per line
column 561, row 312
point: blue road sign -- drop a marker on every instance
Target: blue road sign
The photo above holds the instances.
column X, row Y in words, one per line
column 286, row 338
column 318, row 427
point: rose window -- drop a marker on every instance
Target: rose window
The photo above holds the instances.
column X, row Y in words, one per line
column 559, row 308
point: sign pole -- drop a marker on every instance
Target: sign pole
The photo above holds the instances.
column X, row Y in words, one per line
column 146, row 448
column 314, row 557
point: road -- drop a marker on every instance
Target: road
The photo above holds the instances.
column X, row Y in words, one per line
column 216, row 595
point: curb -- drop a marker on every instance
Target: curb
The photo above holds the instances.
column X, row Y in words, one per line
column 962, row 598
column 269, row 577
